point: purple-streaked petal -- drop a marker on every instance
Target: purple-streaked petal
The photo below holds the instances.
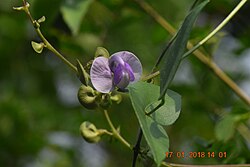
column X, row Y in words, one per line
column 130, row 72
column 133, row 61
column 118, row 74
column 101, row 75
column 121, row 77
column 124, row 79
column 114, row 61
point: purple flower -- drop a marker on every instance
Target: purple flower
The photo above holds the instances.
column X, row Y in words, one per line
column 121, row 69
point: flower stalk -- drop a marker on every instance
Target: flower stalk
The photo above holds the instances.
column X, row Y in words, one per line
column 116, row 134
column 36, row 25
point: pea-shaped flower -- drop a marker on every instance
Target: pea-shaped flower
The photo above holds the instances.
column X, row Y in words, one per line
column 119, row 70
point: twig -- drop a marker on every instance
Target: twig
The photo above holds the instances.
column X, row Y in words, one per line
column 150, row 76
column 218, row 28
column 204, row 59
column 36, row 25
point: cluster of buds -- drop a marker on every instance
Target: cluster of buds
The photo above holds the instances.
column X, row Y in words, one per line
column 107, row 75
column 92, row 99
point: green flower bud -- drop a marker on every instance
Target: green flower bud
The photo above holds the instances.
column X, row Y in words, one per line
column 38, row 47
column 19, row 8
column 87, row 97
column 89, row 132
column 105, row 101
column 41, row 20
column 25, row 7
column 100, row 51
column 116, row 98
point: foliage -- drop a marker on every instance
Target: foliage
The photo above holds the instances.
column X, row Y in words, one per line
column 40, row 112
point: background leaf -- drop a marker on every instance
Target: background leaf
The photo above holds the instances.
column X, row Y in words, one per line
column 225, row 129
column 173, row 56
column 141, row 95
column 74, row 13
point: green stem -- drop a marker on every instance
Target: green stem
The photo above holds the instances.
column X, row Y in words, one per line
column 244, row 131
column 114, row 131
column 150, row 76
column 157, row 107
column 218, row 28
column 45, row 41
column 104, row 131
column 52, row 49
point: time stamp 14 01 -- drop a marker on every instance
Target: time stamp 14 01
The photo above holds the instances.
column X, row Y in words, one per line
column 183, row 154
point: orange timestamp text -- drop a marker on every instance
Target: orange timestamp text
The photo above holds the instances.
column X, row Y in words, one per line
column 194, row 154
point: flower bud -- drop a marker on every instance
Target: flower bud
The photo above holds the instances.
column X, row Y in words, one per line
column 41, row 20
column 87, row 97
column 100, row 51
column 38, row 47
column 19, row 8
column 105, row 101
column 25, row 7
column 89, row 132
column 116, row 98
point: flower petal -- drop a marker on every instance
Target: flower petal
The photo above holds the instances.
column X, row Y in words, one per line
column 118, row 74
column 133, row 62
column 121, row 77
column 130, row 72
column 115, row 61
column 101, row 75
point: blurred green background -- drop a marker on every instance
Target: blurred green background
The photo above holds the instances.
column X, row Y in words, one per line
column 39, row 111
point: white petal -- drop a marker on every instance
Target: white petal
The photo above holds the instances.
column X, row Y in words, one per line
column 101, row 76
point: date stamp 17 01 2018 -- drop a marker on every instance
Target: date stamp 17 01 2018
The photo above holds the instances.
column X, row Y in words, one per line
column 182, row 154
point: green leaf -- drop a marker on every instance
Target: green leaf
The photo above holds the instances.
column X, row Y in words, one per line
column 174, row 54
column 142, row 94
column 225, row 129
column 74, row 13
column 169, row 112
